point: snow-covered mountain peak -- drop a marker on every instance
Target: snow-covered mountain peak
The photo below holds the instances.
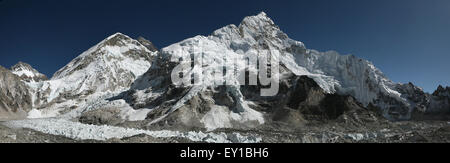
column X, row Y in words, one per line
column 117, row 39
column 334, row 73
column 27, row 73
column 115, row 35
column 117, row 47
column 259, row 20
column 109, row 66
column 260, row 26
column 262, row 14
column 23, row 68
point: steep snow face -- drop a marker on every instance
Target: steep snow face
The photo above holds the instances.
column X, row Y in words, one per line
column 27, row 73
column 354, row 76
column 108, row 67
column 258, row 35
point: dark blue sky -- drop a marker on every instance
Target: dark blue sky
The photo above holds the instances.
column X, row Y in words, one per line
column 409, row 40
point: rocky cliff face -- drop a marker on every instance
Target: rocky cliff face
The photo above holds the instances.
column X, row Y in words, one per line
column 425, row 105
column 149, row 45
column 15, row 100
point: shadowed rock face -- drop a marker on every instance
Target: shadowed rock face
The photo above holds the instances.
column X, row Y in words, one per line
column 442, row 92
column 15, row 99
column 149, row 45
column 434, row 106
column 301, row 100
column 442, row 96
column 426, row 106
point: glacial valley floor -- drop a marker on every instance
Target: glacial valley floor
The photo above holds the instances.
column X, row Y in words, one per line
column 388, row 132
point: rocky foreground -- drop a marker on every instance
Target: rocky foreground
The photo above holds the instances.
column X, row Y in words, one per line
column 380, row 132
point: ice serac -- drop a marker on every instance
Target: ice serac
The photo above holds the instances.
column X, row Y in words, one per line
column 110, row 66
column 15, row 99
column 27, row 73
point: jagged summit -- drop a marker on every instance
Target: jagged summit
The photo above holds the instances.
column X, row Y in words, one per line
column 262, row 17
column 441, row 91
column 118, row 39
column 20, row 63
column 27, row 73
column 260, row 26
column 116, row 34
column 22, row 66
column 262, row 13
column 258, row 20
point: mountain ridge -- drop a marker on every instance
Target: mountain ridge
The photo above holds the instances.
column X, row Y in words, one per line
column 131, row 79
column 195, row 105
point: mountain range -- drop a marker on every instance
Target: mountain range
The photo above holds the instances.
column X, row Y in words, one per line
column 123, row 81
